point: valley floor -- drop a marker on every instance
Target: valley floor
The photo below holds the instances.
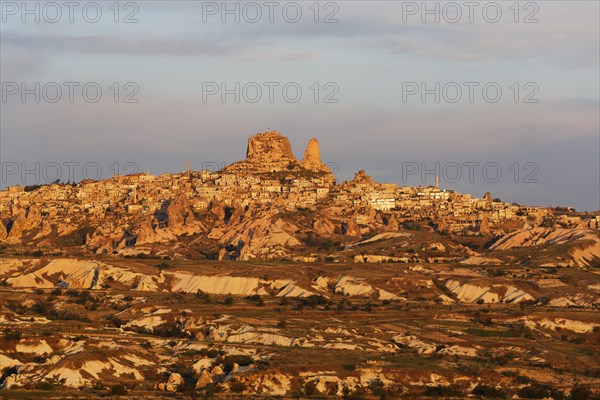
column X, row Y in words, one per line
column 152, row 328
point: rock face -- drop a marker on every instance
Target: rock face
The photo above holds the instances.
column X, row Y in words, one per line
column 484, row 226
column 181, row 217
column 352, row 229
column 174, row 381
column 146, row 232
column 323, row 226
column 312, row 157
column 362, row 177
column 488, row 197
column 181, row 221
column 3, row 232
column 269, row 147
column 204, row 380
column 392, row 224
column 106, row 238
column 25, row 221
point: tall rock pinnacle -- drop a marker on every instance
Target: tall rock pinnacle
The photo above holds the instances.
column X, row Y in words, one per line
column 312, row 157
column 312, row 154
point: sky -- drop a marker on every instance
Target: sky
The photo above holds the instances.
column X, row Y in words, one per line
column 492, row 96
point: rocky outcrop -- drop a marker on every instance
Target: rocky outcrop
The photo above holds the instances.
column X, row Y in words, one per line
column 171, row 385
column 146, row 233
column 362, row 177
column 237, row 215
column 391, row 224
column 149, row 235
column 25, row 221
column 257, row 235
column 45, row 230
column 488, row 198
column 323, row 226
column 352, row 228
column 181, row 219
column 101, row 245
column 106, row 238
column 204, row 380
column 3, row 231
column 484, row 226
column 269, row 147
column 269, row 155
column 585, row 244
column 217, row 208
column 312, row 157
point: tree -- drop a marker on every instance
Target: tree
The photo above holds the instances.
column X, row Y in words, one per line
column 378, row 389
column 118, row 390
column 310, row 388
column 580, row 393
column 548, row 222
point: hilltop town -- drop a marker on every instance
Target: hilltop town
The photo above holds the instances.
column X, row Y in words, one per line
column 270, row 205
column 269, row 279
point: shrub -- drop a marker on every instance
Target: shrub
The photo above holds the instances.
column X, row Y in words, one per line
column 580, row 393
column 12, row 335
column 203, row 296
column 43, row 385
column 256, row 299
column 162, row 265
column 312, row 301
column 189, row 378
column 211, row 353
column 442, row 391
column 284, row 301
column 168, row 331
column 242, row 360
column 228, row 301
column 377, row 388
column 237, row 386
column 489, row 392
column 557, row 395
column 210, row 390
column 348, row 395
column 310, row 388
column 41, row 308
column 118, row 390
column 114, row 320
column 534, row 392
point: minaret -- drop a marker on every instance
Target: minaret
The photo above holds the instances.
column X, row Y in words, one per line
column 189, row 172
column 437, row 182
column 147, row 171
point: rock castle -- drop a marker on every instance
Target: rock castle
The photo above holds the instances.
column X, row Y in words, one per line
column 264, row 206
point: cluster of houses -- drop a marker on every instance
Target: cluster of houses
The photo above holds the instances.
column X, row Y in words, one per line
column 142, row 194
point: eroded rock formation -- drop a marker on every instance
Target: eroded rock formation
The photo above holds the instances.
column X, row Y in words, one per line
column 269, row 147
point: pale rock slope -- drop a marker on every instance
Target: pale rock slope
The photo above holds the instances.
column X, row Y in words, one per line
column 586, row 243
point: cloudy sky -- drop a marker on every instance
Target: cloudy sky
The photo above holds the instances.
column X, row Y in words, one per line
column 498, row 98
